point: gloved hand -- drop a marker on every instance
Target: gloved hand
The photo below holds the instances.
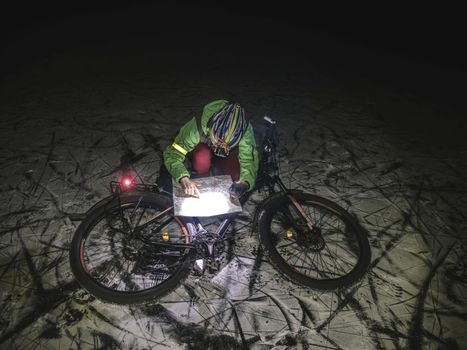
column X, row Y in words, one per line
column 238, row 189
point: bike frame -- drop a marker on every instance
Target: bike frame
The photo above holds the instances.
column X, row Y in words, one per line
column 138, row 224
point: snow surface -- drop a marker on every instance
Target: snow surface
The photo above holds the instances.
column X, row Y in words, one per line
column 68, row 118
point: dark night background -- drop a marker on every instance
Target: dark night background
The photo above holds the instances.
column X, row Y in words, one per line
column 415, row 48
column 430, row 34
column 370, row 98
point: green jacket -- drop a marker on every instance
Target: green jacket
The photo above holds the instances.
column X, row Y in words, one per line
column 188, row 137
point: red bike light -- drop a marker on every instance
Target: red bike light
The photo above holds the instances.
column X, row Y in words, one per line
column 127, row 183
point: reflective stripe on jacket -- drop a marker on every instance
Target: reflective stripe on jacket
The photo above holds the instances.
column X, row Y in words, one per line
column 188, row 138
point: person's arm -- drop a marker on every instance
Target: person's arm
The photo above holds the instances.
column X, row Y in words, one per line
column 248, row 158
column 175, row 153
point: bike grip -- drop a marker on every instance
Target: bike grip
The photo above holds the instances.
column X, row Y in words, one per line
column 269, row 120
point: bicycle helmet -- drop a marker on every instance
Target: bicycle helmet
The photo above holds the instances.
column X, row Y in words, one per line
column 226, row 128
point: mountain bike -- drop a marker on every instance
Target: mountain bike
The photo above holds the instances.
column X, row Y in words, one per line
column 131, row 247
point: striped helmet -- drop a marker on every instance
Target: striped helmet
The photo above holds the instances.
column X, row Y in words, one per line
column 227, row 128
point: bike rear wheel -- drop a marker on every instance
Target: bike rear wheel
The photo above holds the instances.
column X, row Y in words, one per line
column 131, row 248
column 332, row 255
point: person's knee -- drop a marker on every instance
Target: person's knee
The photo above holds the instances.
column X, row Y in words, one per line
column 228, row 166
column 201, row 159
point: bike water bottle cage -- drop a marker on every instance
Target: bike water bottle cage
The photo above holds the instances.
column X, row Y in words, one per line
column 226, row 128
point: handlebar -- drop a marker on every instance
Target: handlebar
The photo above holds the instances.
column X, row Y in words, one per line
column 269, row 120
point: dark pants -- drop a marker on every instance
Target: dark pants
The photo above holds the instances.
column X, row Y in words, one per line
column 202, row 163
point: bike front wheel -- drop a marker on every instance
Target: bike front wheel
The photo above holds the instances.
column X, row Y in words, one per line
column 332, row 253
column 131, row 248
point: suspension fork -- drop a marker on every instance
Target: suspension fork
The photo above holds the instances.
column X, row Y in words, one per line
column 276, row 179
column 309, row 222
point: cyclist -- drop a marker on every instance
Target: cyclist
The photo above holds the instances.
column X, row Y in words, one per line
column 219, row 142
